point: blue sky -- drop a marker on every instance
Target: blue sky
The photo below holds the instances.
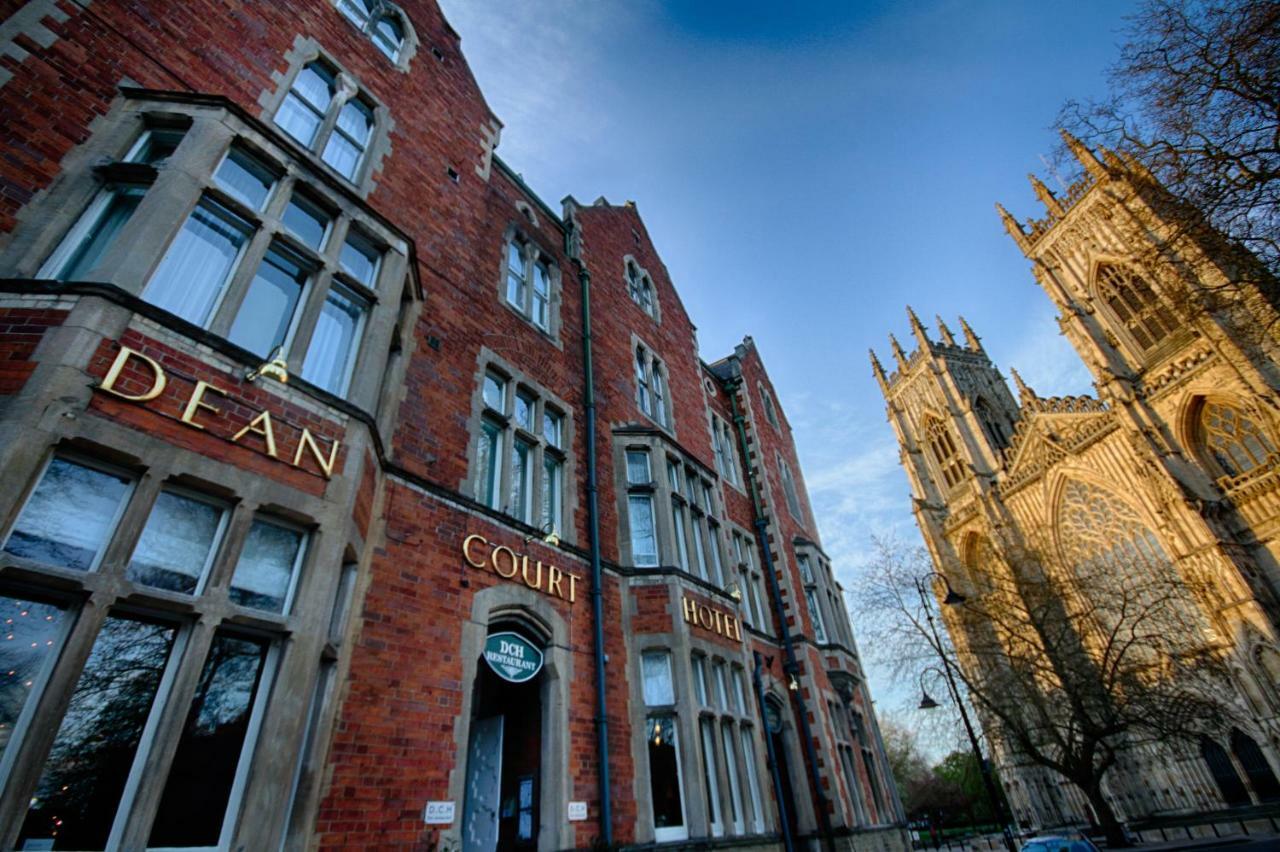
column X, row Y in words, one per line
column 806, row 170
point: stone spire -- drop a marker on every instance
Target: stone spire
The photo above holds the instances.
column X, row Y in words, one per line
column 918, row 330
column 944, row 332
column 1084, row 155
column 1015, row 230
column 878, row 372
column 898, row 354
column 972, row 340
column 1046, row 196
column 1024, row 393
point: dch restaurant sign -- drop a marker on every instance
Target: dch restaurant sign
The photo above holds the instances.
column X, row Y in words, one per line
column 512, row 657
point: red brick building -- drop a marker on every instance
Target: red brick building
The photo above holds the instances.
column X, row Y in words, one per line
column 355, row 498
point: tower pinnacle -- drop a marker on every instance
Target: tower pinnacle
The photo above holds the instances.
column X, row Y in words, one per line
column 944, row 332
column 898, row 354
column 918, row 329
column 1024, row 392
column 1015, row 230
column 878, row 372
column 1046, row 196
column 972, row 340
column 1084, row 155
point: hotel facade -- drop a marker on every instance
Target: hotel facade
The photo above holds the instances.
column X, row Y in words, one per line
column 353, row 497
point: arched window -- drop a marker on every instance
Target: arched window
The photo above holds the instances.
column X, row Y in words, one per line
column 640, row 288
column 1232, row 439
column 943, row 447
column 1103, row 536
column 307, row 114
column 388, row 35
column 991, row 424
column 1256, row 768
column 1224, row 773
column 1131, row 299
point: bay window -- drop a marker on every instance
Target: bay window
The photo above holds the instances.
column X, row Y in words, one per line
column 147, row 675
column 666, row 780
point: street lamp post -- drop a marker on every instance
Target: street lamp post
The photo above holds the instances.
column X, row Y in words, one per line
column 954, row 598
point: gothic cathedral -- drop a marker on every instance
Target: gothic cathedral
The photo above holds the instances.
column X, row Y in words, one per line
column 1172, row 466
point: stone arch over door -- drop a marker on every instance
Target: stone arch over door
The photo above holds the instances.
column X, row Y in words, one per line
column 501, row 606
column 1230, row 785
column 1257, row 769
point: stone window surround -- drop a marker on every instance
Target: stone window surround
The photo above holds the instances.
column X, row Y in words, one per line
column 842, row 731
column 785, row 476
column 1114, row 329
column 737, row 722
column 554, row 298
column 489, row 361
column 173, row 190
column 629, row 260
column 738, row 481
column 756, row 579
column 769, row 406
column 652, row 361
column 839, row 631
column 382, row 9
column 711, row 517
column 321, row 610
column 307, row 50
column 659, row 450
column 687, row 712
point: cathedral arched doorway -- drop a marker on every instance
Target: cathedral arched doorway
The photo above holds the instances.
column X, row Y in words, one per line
column 1255, row 765
column 504, row 748
column 773, row 720
column 1230, row 785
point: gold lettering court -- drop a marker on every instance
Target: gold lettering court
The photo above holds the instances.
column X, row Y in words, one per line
column 507, row 564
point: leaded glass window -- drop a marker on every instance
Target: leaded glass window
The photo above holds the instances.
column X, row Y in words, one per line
column 1147, row 319
column 1234, row 440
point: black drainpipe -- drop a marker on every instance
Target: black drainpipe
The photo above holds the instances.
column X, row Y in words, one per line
column 790, row 666
column 593, row 534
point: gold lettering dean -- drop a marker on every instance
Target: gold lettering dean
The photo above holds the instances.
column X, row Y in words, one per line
column 509, row 565
column 710, row 619
column 199, row 405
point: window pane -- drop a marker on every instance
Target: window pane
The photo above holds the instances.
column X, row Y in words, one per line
column 658, row 688
column 541, row 295
column 709, row 780
column 677, row 518
column 333, row 343
column 739, row 692
column 735, row 787
column 644, row 541
column 69, row 517
column 698, row 545
column 700, row 679
column 753, row 780
column 388, row 36
column 314, row 84
column 713, row 547
column 102, row 233
column 522, row 481
column 664, row 772
column 243, row 176
column 343, row 154
column 806, row 571
column 359, row 259
column 298, row 120
column 195, row 797
column 552, row 472
column 495, row 392
column 524, row 411
column 489, row 462
column 154, row 147
column 266, row 314
column 307, row 221
column 356, row 121
column 266, row 567
column 194, row 270
column 93, row 752
column 819, row 629
column 638, row 468
column 176, row 544
column 28, row 647
column 722, row 698
column 551, row 428
column 356, row 10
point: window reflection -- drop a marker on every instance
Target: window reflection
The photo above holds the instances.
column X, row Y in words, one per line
column 265, row 571
column 68, row 518
column 195, row 797
column 176, row 543
column 75, row 801
column 28, row 646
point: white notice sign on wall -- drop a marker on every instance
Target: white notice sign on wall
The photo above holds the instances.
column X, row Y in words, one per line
column 577, row 811
column 438, row 813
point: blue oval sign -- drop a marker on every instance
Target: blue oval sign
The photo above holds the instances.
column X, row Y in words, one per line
column 512, row 657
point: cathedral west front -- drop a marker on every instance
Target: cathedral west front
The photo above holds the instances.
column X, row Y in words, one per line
column 1171, row 469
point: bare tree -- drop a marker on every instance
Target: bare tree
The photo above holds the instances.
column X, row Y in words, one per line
column 1195, row 98
column 1066, row 669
